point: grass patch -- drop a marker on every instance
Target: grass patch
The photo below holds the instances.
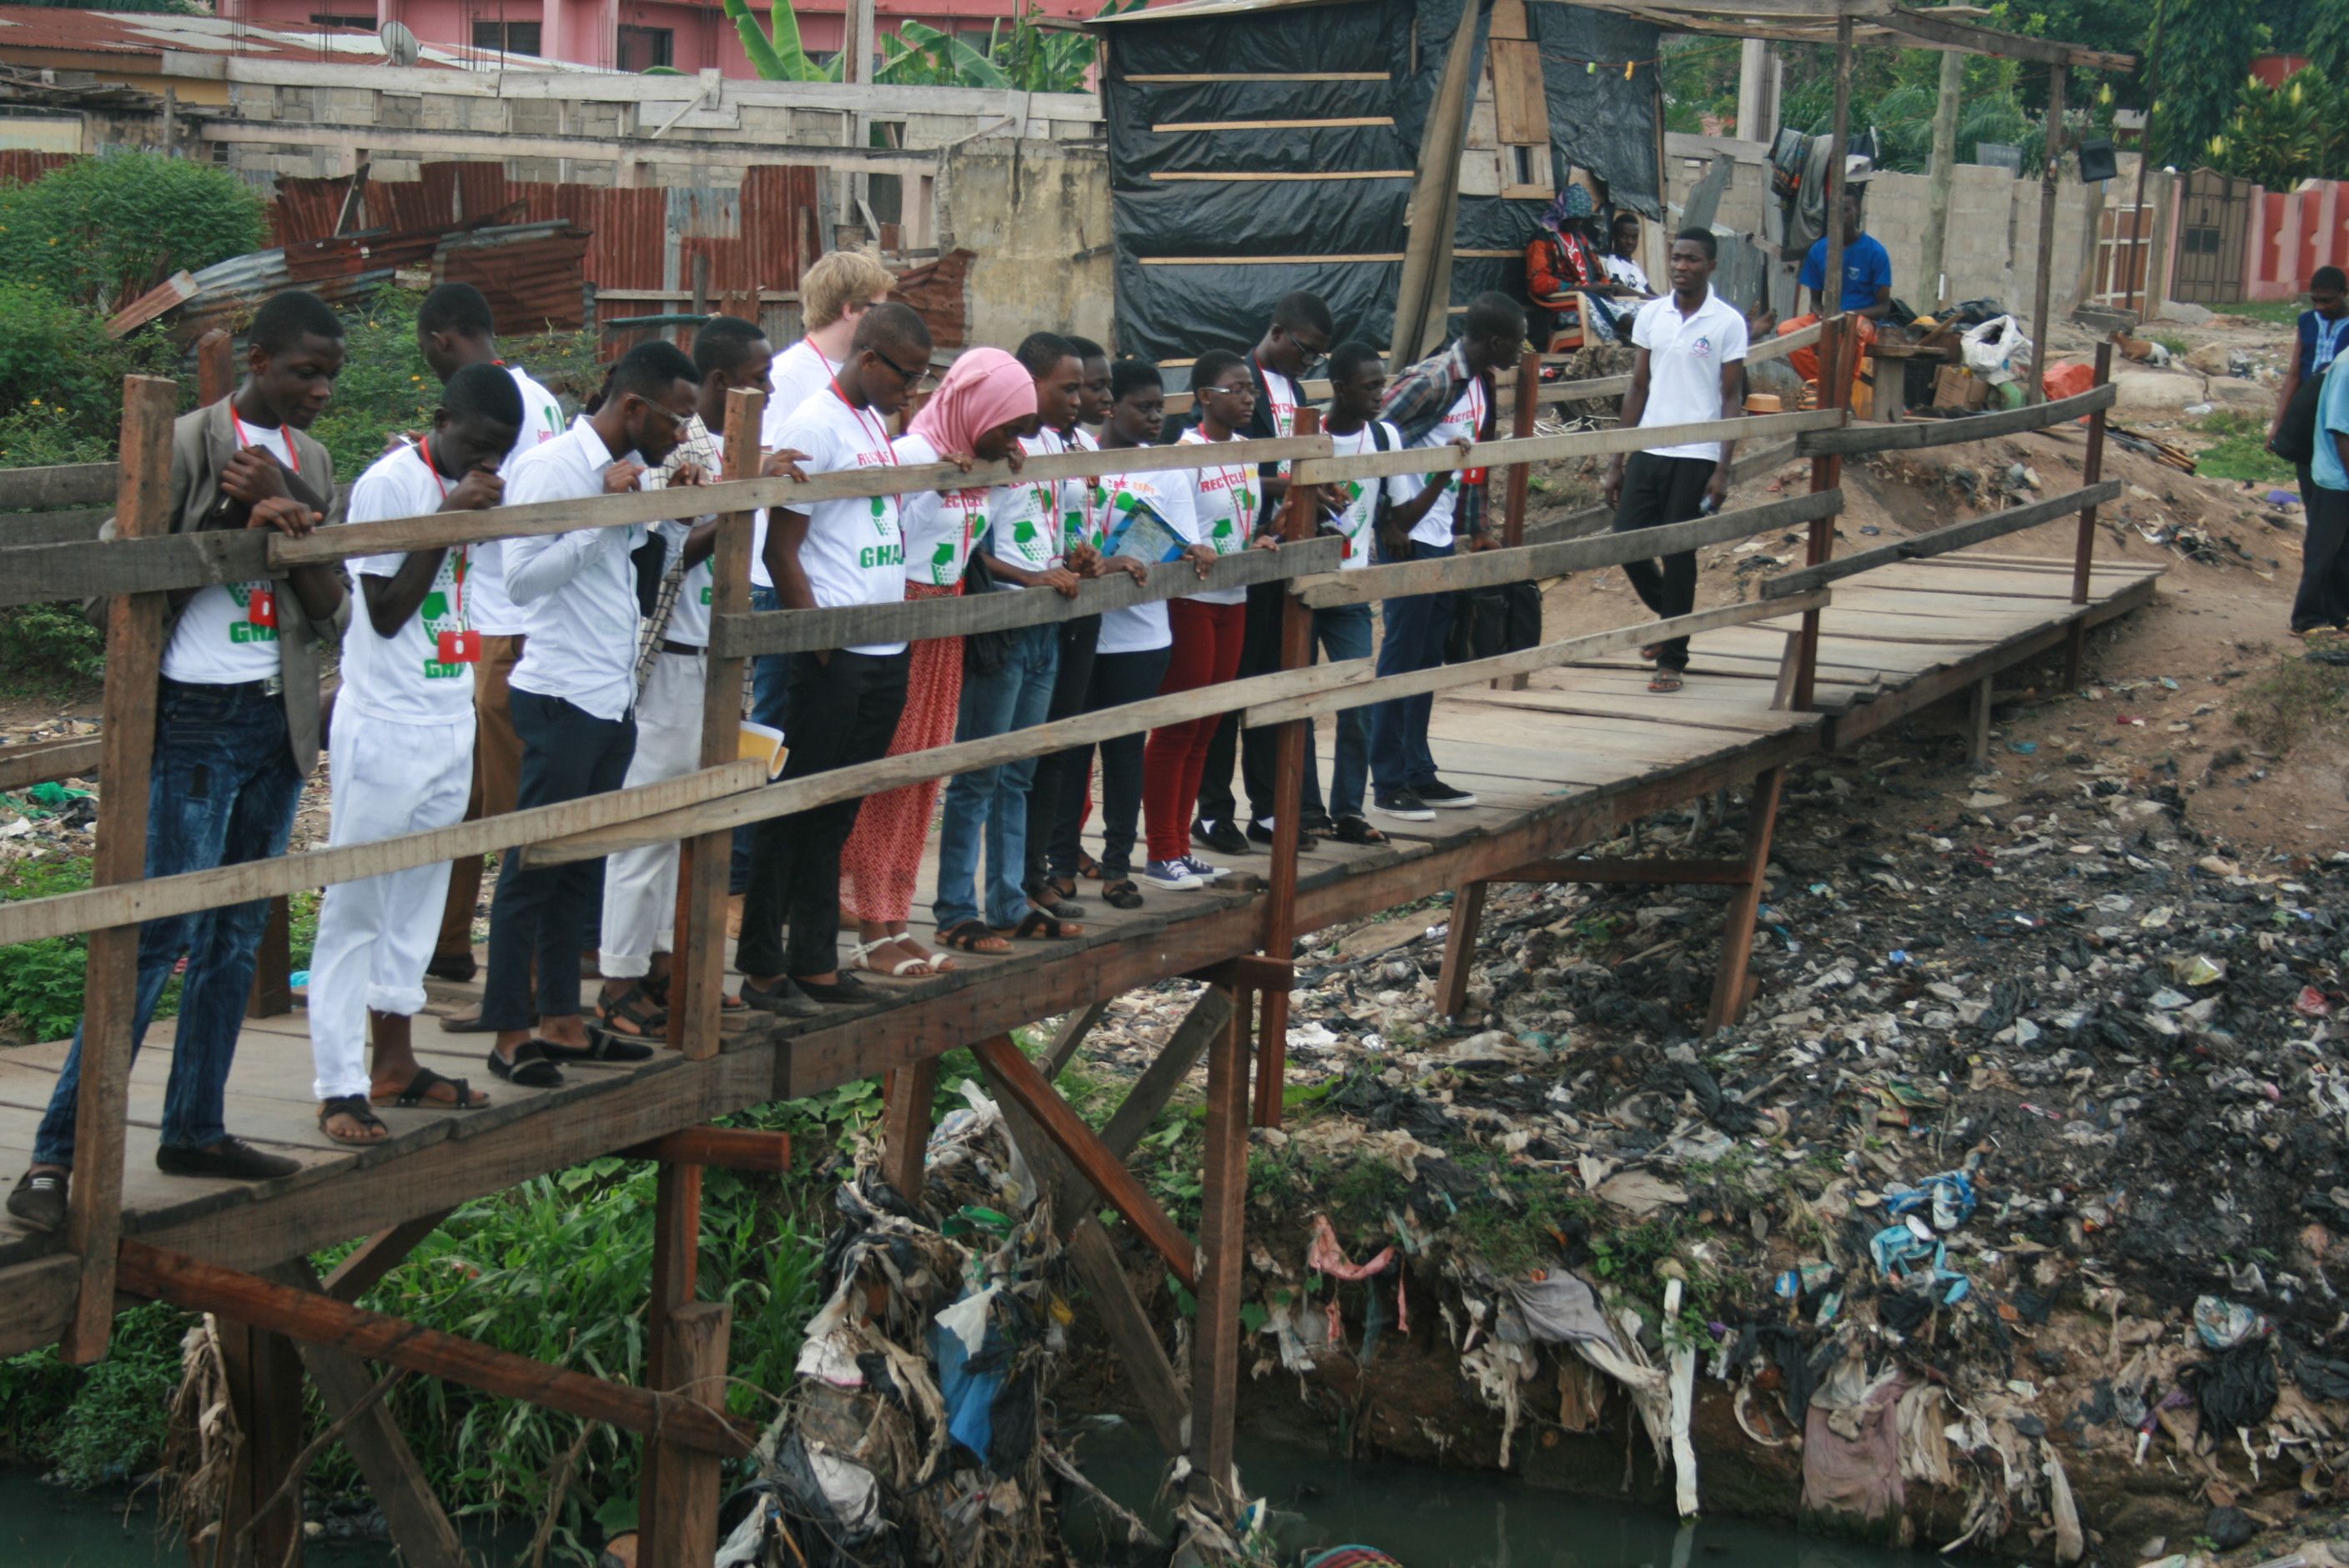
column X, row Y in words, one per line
column 2283, row 312
column 2241, row 451
column 2176, row 346
column 2279, row 711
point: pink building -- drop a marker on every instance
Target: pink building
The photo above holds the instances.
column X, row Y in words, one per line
column 688, row 36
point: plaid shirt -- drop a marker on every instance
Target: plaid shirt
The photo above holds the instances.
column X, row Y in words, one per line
column 695, row 445
column 1417, row 401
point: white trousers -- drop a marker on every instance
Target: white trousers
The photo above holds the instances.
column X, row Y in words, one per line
column 376, row 936
column 640, row 885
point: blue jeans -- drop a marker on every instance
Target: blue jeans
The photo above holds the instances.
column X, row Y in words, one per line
column 1342, row 632
column 990, row 804
column 222, row 792
column 770, row 704
column 1415, row 630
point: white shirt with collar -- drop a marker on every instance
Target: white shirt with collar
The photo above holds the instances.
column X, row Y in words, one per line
column 576, row 590
column 796, row 374
column 1685, row 353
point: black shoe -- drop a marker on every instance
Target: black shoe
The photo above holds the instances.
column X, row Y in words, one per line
column 1437, row 793
column 786, row 1000
column 1318, row 823
column 39, row 1200
column 230, row 1159
column 1260, row 830
column 845, row 991
column 457, row 967
column 1224, row 838
column 1403, row 803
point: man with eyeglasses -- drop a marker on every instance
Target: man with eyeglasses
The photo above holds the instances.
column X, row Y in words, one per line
column 827, row 555
column 1295, row 345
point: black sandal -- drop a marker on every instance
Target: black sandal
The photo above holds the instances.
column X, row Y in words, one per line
column 414, row 1097
column 1352, row 830
column 357, row 1107
column 1090, row 869
column 1048, row 895
column 634, row 1013
column 967, row 936
column 1047, row 927
column 532, row 1067
column 604, row 1044
column 1121, row 894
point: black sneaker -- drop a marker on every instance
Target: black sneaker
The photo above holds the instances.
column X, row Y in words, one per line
column 1224, row 838
column 1260, row 830
column 39, row 1200
column 785, row 1001
column 1443, row 796
column 230, row 1159
column 844, row 990
column 1318, row 823
column 1403, row 803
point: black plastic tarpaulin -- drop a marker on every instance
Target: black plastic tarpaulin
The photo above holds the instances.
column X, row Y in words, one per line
column 1194, row 101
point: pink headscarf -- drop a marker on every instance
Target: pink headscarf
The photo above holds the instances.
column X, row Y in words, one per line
column 982, row 389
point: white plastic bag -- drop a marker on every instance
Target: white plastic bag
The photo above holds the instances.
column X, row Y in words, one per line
column 1997, row 350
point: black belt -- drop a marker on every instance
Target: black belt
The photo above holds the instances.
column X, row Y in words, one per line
column 668, row 646
column 271, row 687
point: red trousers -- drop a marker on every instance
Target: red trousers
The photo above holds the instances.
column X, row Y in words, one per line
column 1206, row 653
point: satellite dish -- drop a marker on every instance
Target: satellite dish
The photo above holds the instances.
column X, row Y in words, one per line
column 399, row 43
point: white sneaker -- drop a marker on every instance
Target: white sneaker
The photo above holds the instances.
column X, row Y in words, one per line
column 1203, row 871
column 1172, row 875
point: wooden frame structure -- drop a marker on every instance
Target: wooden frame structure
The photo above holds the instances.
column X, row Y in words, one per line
column 242, row 1258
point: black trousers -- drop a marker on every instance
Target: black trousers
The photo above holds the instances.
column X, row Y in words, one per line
column 1657, row 490
column 2324, row 597
column 1061, row 772
column 1259, row 655
column 1118, row 679
column 547, row 914
column 846, row 708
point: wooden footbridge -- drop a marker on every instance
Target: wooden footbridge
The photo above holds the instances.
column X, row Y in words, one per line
column 1562, row 744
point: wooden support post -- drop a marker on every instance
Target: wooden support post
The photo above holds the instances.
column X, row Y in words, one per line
column 378, row 1256
column 677, row 1271
column 1014, row 1075
column 698, row 967
column 1826, row 474
column 677, row 1522
column 264, row 1391
column 727, row 1148
column 1459, row 948
column 1131, row 1334
column 1979, row 697
column 2083, row 546
column 907, row 1094
column 1297, row 523
column 1223, row 1240
column 215, row 366
column 134, row 654
column 1425, row 290
column 419, row 1526
column 1730, row 982
column 272, row 995
column 1073, row 1030
column 1836, row 342
column 2036, row 391
column 1513, row 520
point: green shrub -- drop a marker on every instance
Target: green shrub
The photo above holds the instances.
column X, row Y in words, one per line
column 103, row 1425
column 61, row 376
column 101, row 231
column 50, row 648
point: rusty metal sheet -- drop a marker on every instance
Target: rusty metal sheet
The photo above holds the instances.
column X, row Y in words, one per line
column 305, row 209
column 481, row 189
column 406, row 204
column 533, row 284
column 22, row 165
column 939, row 292
column 780, row 231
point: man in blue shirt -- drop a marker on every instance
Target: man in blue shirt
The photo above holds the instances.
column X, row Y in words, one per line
column 2320, row 609
column 1867, row 268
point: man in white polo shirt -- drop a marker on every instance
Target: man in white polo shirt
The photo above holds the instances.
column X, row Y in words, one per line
column 574, row 696
column 844, row 702
column 1690, row 370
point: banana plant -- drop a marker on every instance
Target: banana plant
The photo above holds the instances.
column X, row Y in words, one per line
column 780, row 59
column 1031, row 58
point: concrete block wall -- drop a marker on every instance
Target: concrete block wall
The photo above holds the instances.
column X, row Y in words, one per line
column 1028, row 207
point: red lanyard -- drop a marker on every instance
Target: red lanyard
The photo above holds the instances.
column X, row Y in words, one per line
column 456, row 569
column 293, row 459
column 869, row 423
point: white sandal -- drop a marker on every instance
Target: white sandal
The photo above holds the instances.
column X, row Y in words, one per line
column 859, row 957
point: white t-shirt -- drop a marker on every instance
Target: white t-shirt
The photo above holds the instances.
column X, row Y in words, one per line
column 1362, row 495
column 1138, row 628
column 1084, row 518
column 797, row 374
column 1685, row 354
column 401, row 678
column 1223, row 508
column 1285, row 396
column 1024, row 518
column 493, row 613
column 227, row 634
column 688, row 617
column 1461, row 422
column 577, row 591
column 855, row 552
column 939, row 526
column 1629, row 272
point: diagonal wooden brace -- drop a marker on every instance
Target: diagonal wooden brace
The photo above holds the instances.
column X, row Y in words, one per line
column 1016, row 1075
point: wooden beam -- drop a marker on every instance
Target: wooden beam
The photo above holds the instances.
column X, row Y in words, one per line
column 62, row 914
column 1729, row 981
column 799, row 631
column 1459, row 947
column 272, row 995
column 675, row 1281
column 1248, row 970
column 1014, row 1075
column 1547, row 655
column 1424, row 287
column 1940, row 542
column 908, row 1094
column 418, row 1526
column 1561, row 449
column 1135, row 1114
column 1073, row 1030
column 1131, row 1334
column 263, row 1374
column 1979, row 699
column 1941, row 33
column 1490, row 568
column 1299, row 515
column 2043, row 265
column 60, row 485
column 134, row 657
column 1223, row 1238
column 1915, row 434
column 43, row 761
column 1658, row 873
column 313, row 1319
column 791, row 795
column 380, row 1254
column 680, row 1528
column 726, row 1148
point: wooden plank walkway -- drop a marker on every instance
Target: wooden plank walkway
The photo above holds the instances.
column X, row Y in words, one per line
column 1557, row 766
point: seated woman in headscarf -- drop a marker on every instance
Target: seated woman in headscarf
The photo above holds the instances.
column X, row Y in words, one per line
column 1565, row 261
